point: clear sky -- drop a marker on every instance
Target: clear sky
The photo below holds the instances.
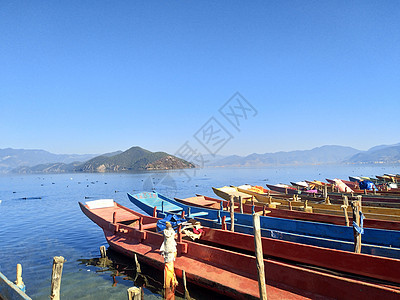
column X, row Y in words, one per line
column 99, row 76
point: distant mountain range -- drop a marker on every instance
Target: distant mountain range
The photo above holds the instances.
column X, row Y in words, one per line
column 132, row 159
column 378, row 154
column 136, row 158
column 320, row 155
column 14, row 158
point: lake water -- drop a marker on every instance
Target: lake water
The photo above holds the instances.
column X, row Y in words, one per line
column 40, row 218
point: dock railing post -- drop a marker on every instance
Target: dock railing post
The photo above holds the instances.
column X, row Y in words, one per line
column 58, row 263
column 232, row 203
column 259, row 257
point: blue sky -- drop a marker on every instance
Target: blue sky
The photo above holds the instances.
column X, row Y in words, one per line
column 99, row 76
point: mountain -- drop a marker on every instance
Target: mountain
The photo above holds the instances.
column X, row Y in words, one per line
column 319, row 155
column 381, row 147
column 48, row 168
column 132, row 159
column 378, row 154
column 14, row 158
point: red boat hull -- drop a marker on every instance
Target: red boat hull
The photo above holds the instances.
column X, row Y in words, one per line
column 232, row 273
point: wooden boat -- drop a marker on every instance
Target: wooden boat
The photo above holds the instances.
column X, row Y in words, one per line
column 350, row 184
column 375, row 241
column 371, row 198
column 208, row 202
column 227, row 191
column 355, row 178
column 285, row 189
column 386, row 178
column 378, row 213
column 381, row 198
column 299, row 184
column 232, row 272
column 10, row 291
column 290, row 190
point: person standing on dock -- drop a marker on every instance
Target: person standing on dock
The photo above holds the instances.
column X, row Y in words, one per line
column 169, row 251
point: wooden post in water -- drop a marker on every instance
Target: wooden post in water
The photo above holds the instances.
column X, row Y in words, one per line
column 241, row 204
column 134, row 293
column 356, row 206
column 232, row 213
column 259, row 257
column 187, row 296
column 103, row 252
column 138, row 269
column 18, row 281
column 58, row 263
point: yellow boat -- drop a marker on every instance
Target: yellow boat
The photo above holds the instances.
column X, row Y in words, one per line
column 226, row 192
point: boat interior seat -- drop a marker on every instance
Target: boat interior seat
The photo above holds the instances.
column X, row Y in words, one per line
column 197, row 214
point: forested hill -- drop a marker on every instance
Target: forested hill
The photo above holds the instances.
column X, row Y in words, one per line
column 135, row 158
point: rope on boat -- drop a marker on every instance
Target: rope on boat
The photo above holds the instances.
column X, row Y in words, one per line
column 359, row 229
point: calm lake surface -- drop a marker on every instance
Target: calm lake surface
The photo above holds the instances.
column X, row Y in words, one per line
column 40, row 218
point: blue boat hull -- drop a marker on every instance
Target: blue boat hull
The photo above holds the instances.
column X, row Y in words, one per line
column 375, row 241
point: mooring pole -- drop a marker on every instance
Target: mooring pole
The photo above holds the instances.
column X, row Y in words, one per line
column 259, row 257
column 345, row 206
column 232, row 213
column 58, row 263
column 138, row 269
column 187, row 296
column 241, row 204
column 134, row 293
column 18, row 282
column 103, row 252
column 357, row 230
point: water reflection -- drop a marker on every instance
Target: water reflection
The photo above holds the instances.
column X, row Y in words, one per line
column 123, row 268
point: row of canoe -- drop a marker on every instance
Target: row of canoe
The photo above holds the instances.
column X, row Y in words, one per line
column 375, row 241
column 223, row 261
column 260, row 196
